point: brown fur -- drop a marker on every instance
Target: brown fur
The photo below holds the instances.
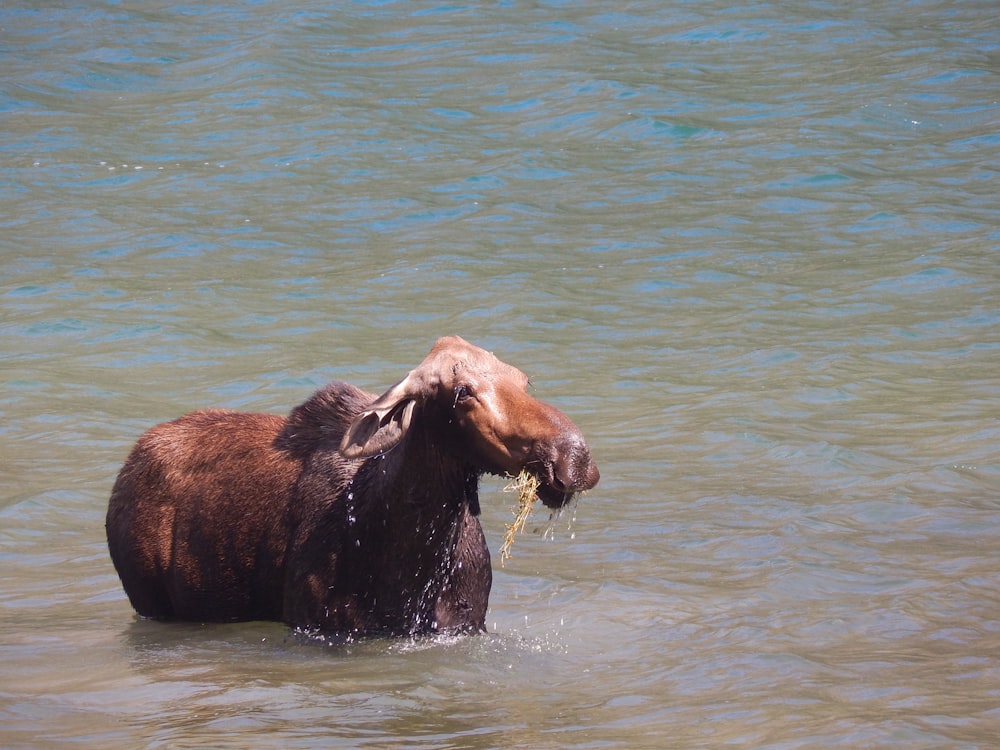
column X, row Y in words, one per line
column 354, row 515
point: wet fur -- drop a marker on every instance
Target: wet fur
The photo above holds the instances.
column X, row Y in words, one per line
column 223, row 516
column 355, row 515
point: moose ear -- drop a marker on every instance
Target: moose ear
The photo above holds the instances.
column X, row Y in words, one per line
column 382, row 425
column 375, row 431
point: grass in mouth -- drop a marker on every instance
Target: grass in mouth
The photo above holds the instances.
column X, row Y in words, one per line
column 526, row 486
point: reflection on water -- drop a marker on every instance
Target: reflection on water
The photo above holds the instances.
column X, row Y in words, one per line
column 750, row 250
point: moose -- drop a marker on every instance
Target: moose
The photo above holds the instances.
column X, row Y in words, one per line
column 354, row 515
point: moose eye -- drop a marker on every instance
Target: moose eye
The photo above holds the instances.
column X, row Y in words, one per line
column 462, row 393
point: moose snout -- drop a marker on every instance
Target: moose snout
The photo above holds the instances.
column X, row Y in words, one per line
column 574, row 470
column 567, row 470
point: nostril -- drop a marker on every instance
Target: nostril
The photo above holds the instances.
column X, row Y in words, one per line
column 572, row 469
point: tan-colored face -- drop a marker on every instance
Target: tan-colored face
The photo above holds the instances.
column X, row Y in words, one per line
column 502, row 427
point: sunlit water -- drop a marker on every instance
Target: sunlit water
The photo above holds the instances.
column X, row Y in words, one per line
column 751, row 250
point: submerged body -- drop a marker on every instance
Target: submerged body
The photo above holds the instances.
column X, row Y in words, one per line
column 353, row 515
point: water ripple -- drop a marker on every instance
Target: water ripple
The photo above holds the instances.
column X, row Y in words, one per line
column 750, row 249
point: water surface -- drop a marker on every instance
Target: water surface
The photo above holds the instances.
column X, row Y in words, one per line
column 751, row 250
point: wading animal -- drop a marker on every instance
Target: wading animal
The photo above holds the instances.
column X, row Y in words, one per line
column 355, row 515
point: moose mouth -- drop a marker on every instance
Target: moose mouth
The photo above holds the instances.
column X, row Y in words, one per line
column 552, row 497
column 553, row 491
column 560, row 479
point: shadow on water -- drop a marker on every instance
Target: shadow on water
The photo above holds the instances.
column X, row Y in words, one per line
column 365, row 692
column 245, row 647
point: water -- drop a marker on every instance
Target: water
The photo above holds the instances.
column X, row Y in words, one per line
column 751, row 250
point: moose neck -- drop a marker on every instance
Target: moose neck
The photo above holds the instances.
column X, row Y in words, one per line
column 405, row 534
